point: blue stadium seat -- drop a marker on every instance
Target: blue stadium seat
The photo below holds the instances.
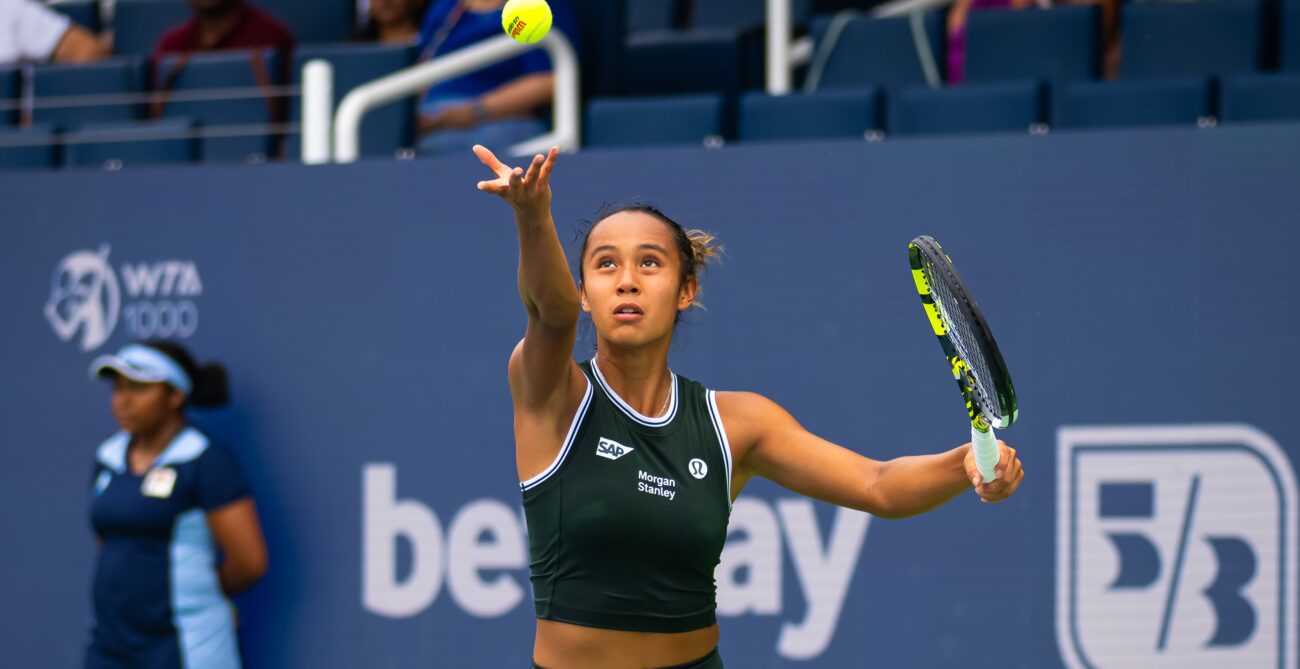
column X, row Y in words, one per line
column 130, row 144
column 603, row 27
column 1207, row 37
column 650, row 14
column 232, row 70
column 384, row 130
column 692, row 61
column 84, row 13
column 828, row 114
column 686, row 119
column 118, row 77
column 741, row 13
column 1175, row 101
column 1260, row 97
column 9, row 78
column 1054, row 44
column 878, row 52
column 1289, row 46
column 314, row 20
column 31, row 148
column 139, row 24
column 1001, row 107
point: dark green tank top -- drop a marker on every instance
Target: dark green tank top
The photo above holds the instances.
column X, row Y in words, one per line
column 626, row 526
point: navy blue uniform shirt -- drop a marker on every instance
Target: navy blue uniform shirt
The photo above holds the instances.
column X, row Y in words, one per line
column 158, row 602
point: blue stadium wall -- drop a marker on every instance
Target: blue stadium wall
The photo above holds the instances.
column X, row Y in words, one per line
column 1142, row 285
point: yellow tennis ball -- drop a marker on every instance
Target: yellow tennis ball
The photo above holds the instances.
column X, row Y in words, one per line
column 526, row 20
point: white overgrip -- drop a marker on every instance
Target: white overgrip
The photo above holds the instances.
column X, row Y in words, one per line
column 986, row 452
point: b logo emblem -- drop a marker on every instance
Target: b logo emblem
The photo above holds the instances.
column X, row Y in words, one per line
column 1176, row 547
column 698, row 468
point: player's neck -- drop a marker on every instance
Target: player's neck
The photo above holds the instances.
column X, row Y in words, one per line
column 639, row 376
column 150, row 444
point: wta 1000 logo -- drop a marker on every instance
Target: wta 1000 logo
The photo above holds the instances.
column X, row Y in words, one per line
column 86, row 298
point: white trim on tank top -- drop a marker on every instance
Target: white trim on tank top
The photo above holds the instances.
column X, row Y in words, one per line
column 568, row 441
column 716, row 417
column 633, row 413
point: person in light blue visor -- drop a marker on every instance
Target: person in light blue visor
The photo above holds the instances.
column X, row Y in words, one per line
column 167, row 500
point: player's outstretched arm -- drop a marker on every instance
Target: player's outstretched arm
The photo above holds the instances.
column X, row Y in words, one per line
column 541, row 365
column 767, row 441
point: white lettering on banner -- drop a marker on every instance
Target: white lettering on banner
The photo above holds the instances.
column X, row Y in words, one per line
column 385, row 520
column 85, row 297
column 479, row 597
column 823, row 577
column 753, row 546
column 824, row 569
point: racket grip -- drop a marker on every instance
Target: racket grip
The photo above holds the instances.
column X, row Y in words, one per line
column 986, row 453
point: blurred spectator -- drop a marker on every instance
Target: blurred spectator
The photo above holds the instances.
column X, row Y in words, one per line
column 960, row 11
column 175, row 519
column 497, row 105
column 220, row 25
column 394, row 21
column 30, row 31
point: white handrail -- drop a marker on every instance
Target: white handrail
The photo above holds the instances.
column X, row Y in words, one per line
column 317, row 111
column 412, row 80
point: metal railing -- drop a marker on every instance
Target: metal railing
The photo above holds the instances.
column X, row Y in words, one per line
column 317, row 94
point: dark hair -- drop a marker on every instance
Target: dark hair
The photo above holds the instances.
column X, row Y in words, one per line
column 211, row 387
column 695, row 248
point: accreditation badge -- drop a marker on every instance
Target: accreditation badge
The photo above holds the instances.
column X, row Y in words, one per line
column 159, row 483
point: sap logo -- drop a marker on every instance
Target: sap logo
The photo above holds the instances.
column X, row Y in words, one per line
column 86, row 297
column 1176, row 546
column 610, row 449
column 482, row 559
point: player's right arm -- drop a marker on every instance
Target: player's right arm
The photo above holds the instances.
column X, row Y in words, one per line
column 543, row 377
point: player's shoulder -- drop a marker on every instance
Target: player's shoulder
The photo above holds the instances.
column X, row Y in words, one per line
column 748, row 407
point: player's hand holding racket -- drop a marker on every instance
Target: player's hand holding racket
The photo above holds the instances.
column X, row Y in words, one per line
column 976, row 363
column 529, row 193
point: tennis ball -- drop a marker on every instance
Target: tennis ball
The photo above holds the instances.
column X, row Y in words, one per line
column 526, row 20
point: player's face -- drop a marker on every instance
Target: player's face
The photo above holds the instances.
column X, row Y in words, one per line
column 632, row 279
column 141, row 408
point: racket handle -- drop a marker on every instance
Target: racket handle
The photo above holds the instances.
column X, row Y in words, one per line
column 986, row 453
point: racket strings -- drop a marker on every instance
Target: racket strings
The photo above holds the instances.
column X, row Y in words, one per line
column 962, row 334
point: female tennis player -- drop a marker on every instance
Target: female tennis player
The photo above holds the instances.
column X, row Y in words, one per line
column 627, row 470
column 167, row 499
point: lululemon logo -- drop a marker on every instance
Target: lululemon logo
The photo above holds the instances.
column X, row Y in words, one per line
column 698, row 469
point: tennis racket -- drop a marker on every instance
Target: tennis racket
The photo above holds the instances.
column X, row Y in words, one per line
column 968, row 344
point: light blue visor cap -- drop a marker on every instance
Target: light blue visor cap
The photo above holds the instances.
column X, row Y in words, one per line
column 143, row 364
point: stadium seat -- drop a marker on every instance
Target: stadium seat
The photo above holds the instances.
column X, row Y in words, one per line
column 314, row 20
column 740, row 14
column 692, row 61
column 384, row 130
column 84, row 13
column 139, row 24
column 1054, row 44
column 650, row 15
column 878, row 52
column 232, row 70
column 1289, row 46
column 1208, row 37
column 603, row 27
column 1001, row 107
column 118, row 77
column 31, row 148
column 828, row 114
column 687, row 119
column 1260, row 97
column 130, row 144
column 1177, row 101
column 9, row 78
